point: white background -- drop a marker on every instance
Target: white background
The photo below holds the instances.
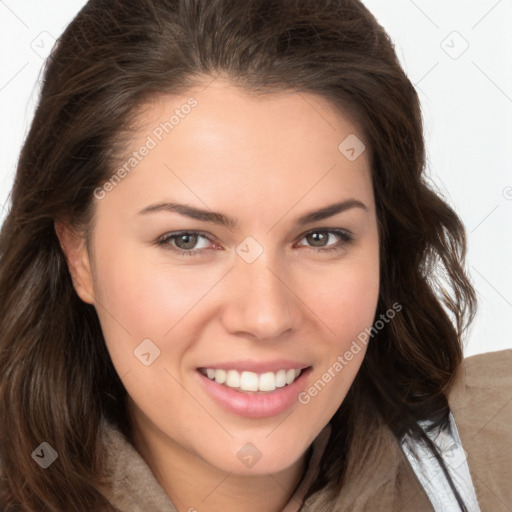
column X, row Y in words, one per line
column 467, row 106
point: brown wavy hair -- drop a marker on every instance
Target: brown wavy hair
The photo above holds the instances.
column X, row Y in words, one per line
column 57, row 382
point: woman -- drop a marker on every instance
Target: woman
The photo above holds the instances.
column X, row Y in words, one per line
column 218, row 276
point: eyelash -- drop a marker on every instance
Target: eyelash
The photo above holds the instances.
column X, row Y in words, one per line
column 345, row 239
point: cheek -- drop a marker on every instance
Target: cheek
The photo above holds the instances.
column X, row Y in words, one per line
column 344, row 298
column 351, row 304
column 138, row 301
column 141, row 296
column 147, row 298
column 345, row 301
column 348, row 311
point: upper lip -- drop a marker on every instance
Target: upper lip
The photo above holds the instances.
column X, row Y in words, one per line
column 258, row 366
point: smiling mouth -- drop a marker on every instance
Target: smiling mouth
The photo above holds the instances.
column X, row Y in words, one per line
column 251, row 382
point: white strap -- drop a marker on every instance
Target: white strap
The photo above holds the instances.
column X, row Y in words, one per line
column 431, row 475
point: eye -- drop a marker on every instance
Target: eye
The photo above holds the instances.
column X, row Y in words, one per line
column 185, row 242
column 319, row 239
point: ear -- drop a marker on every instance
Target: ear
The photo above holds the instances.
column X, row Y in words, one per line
column 75, row 250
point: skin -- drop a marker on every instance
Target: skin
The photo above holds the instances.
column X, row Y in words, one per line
column 263, row 161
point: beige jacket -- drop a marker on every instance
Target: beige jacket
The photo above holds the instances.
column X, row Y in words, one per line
column 481, row 402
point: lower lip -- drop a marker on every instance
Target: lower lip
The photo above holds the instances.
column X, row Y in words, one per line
column 257, row 405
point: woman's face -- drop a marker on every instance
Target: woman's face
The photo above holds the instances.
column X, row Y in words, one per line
column 273, row 289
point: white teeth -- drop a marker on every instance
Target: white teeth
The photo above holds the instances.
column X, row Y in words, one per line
column 251, row 381
column 248, row 381
column 267, row 381
column 281, row 378
column 220, row 376
column 290, row 376
column 233, row 379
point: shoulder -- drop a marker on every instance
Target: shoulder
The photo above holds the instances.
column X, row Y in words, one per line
column 481, row 397
column 481, row 403
column 490, row 366
column 483, row 381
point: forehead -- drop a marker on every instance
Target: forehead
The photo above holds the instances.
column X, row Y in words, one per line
column 219, row 140
column 210, row 113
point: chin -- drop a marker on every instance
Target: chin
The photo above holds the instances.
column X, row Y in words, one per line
column 254, row 458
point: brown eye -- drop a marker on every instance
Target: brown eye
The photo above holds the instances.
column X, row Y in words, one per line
column 186, row 241
column 319, row 240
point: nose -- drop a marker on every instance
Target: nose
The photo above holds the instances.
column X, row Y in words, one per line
column 260, row 301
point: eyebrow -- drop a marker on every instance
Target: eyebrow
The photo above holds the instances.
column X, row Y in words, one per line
column 220, row 218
